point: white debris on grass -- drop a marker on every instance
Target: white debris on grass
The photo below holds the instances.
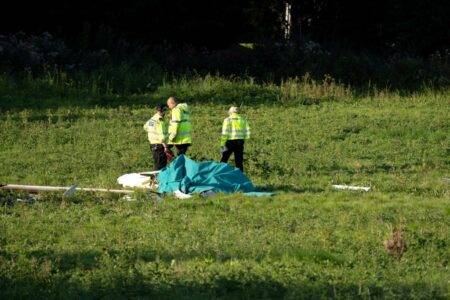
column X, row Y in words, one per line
column 351, row 187
column 70, row 191
column 134, row 180
column 180, row 195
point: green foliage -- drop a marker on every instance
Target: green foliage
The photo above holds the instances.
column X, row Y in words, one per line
column 39, row 60
column 308, row 241
column 280, row 61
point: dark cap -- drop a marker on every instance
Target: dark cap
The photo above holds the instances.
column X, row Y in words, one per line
column 161, row 107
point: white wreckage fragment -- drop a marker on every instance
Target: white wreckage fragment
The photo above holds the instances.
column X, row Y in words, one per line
column 351, row 187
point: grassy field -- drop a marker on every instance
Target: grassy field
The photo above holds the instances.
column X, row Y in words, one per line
column 307, row 241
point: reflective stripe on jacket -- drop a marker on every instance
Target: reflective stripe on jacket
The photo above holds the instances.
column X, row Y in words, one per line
column 156, row 128
column 180, row 125
column 234, row 127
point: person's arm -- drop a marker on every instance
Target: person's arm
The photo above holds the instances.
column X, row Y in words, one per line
column 164, row 132
column 146, row 126
column 247, row 130
column 225, row 132
column 174, row 123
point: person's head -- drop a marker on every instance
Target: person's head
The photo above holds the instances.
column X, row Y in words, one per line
column 172, row 102
column 161, row 109
column 233, row 110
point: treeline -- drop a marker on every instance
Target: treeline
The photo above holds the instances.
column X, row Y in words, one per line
column 416, row 27
column 394, row 44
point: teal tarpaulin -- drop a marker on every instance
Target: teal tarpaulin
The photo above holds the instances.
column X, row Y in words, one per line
column 189, row 176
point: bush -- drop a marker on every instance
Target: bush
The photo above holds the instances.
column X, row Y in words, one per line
column 20, row 52
column 276, row 62
column 36, row 54
column 269, row 61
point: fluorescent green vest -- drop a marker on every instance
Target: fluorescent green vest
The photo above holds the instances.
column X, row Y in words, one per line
column 156, row 128
column 180, row 125
column 234, row 127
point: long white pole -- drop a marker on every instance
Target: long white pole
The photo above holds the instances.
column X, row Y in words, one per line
column 46, row 188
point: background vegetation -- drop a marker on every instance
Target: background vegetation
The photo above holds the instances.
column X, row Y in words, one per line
column 386, row 26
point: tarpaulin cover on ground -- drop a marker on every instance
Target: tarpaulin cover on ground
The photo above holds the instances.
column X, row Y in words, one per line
column 188, row 176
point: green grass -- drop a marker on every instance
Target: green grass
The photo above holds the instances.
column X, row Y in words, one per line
column 308, row 241
column 298, row 245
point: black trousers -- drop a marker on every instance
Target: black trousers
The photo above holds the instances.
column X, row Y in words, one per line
column 159, row 157
column 182, row 148
column 236, row 147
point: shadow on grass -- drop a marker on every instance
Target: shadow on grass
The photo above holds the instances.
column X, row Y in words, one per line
column 222, row 92
column 92, row 259
column 289, row 189
column 54, row 102
column 125, row 274
column 136, row 285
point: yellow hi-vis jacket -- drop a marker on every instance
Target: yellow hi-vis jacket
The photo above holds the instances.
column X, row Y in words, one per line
column 180, row 125
column 234, row 127
column 156, row 128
